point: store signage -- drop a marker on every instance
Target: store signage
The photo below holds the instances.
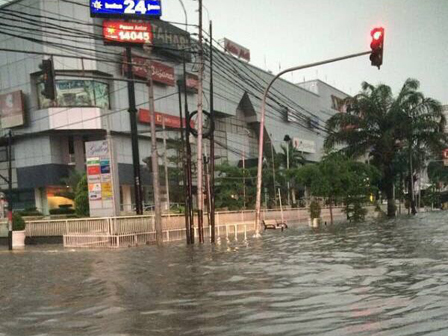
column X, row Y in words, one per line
column 236, row 50
column 192, row 82
column 171, row 40
column 170, row 121
column 161, row 73
column 302, row 145
column 12, row 109
column 126, row 8
column 100, row 168
column 127, row 32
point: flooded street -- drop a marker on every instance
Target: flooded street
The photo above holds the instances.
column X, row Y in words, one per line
column 371, row 279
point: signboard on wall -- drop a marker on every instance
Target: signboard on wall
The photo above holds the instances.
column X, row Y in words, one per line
column 127, row 32
column 126, row 8
column 161, row 73
column 170, row 121
column 12, row 109
column 302, row 145
column 102, row 179
column 236, row 50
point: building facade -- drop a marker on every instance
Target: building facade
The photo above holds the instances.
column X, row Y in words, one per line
column 92, row 98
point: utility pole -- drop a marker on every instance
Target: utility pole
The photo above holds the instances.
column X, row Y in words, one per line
column 287, row 168
column 184, row 175
column 154, row 154
column 212, row 142
column 244, row 178
column 10, row 190
column 134, row 135
column 188, row 167
column 199, row 129
column 165, row 161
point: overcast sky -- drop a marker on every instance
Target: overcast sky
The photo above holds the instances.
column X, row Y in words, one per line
column 285, row 33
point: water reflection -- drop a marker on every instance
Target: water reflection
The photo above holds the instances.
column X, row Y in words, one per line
column 373, row 279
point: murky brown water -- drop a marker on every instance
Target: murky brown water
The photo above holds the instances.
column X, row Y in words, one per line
column 381, row 279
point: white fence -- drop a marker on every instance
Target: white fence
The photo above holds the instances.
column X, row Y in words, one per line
column 145, row 223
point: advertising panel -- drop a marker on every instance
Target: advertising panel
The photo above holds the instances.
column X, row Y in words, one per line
column 236, row 50
column 100, row 169
column 126, row 8
column 161, row 73
column 306, row 146
column 127, row 32
column 12, row 109
column 170, row 121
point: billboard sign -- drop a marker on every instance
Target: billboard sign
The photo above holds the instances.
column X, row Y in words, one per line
column 127, row 32
column 161, row 73
column 12, row 109
column 103, row 189
column 236, row 50
column 306, row 146
column 171, row 121
column 126, row 8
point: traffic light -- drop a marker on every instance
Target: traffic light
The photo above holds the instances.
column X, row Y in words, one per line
column 49, row 90
column 377, row 45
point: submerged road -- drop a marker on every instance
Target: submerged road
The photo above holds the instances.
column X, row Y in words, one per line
column 388, row 278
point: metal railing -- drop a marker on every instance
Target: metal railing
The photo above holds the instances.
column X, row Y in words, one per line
column 170, row 222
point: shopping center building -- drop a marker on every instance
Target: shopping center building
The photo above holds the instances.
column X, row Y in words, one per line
column 49, row 136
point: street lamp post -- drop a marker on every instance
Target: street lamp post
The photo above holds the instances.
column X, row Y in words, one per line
column 262, row 122
column 287, row 139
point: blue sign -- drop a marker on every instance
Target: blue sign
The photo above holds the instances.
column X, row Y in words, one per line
column 126, row 8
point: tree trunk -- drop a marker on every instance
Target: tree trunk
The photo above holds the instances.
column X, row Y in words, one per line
column 389, row 190
column 413, row 208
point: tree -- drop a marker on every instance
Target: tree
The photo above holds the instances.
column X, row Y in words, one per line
column 338, row 177
column 296, row 160
column 230, row 187
column 71, row 182
column 374, row 125
column 82, row 198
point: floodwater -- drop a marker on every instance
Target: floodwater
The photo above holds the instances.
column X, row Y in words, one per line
column 380, row 279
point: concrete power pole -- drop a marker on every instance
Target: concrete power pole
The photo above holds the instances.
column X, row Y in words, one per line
column 199, row 129
column 165, row 161
column 154, row 155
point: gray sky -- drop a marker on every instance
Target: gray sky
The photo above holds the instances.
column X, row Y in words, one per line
column 293, row 32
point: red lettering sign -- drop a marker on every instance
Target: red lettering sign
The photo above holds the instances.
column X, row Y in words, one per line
column 127, row 32
column 236, row 49
column 161, row 73
column 192, row 82
column 93, row 170
column 170, row 121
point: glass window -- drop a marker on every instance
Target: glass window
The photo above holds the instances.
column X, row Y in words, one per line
column 77, row 93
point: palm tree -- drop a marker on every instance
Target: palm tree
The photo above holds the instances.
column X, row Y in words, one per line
column 423, row 131
column 376, row 124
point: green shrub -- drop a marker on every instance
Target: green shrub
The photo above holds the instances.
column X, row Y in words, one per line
column 18, row 224
column 62, row 211
column 82, row 198
column 314, row 209
column 31, row 211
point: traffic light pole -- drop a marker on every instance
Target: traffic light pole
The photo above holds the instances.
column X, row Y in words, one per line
column 134, row 136
column 262, row 122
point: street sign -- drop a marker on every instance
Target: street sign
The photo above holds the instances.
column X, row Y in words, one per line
column 126, row 8
column 127, row 32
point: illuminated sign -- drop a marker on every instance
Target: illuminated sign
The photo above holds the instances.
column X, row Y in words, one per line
column 126, row 8
column 127, row 32
column 237, row 50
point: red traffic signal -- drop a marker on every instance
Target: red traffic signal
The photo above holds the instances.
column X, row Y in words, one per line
column 377, row 46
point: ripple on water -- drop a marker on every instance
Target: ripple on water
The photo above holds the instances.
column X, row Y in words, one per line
column 383, row 279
